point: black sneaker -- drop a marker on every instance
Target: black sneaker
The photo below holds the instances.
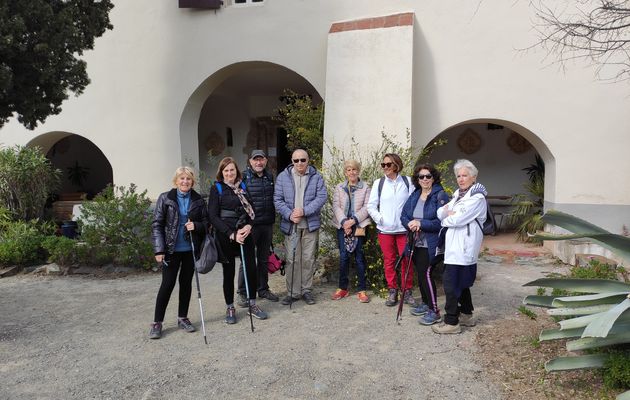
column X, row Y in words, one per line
column 156, row 330
column 392, row 298
column 230, row 315
column 185, row 324
column 242, row 300
column 269, row 295
column 308, row 298
column 286, row 300
column 256, row 312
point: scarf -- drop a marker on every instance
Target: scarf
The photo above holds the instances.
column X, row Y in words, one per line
column 240, row 193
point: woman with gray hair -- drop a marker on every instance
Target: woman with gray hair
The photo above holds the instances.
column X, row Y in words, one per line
column 463, row 241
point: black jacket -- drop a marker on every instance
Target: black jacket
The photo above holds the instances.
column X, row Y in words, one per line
column 225, row 209
column 260, row 189
column 166, row 221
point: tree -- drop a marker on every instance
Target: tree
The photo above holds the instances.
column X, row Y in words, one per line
column 40, row 45
column 595, row 30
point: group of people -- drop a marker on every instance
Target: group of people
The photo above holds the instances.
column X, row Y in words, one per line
column 416, row 220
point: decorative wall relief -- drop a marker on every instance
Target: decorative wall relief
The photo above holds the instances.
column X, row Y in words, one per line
column 214, row 143
column 469, row 141
column 518, row 143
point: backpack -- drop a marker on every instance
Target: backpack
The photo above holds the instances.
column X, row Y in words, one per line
column 489, row 226
column 381, row 182
column 220, row 188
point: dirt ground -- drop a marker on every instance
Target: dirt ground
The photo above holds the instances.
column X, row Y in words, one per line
column 85, row 337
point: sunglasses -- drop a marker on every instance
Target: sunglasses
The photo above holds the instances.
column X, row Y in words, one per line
column 299, row 160
column 427, row 176
column 386, row 164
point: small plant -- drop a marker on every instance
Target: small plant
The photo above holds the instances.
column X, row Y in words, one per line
column 77, row 175
column 61, row 250
column 616, row 370
column 527, row 312
column 21, row 241
column 541, row 291
column 528, row 208
column 534, row 342
column 594, row 270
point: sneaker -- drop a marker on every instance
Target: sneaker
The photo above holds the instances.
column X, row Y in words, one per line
column 230, row 315
column 419, row 310
column 286, row 300
column 242, row 300
column 256, row 312
column 363, row 297
column 156, row 330
column 185, row 324
column 408, row 298
column 308, row 298
column 339, row 294
column 269, row 295
column 392, row 298
column 467, row 320
column 430, row 318
column 446, row 329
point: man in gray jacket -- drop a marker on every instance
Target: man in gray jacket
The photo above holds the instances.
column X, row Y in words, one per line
column 299, row 196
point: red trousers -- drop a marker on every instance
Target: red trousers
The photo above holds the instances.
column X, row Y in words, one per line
column 392, row 246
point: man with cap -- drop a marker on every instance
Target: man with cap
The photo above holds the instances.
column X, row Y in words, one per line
column 259, row 183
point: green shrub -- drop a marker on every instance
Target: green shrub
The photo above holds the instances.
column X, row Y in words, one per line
column 617, row 370
column 61, row 250
column 116, row 227
column 26, row 180
column 20, row 242
column 594, row 270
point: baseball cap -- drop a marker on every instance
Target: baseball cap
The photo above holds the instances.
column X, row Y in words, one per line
column 257, row 153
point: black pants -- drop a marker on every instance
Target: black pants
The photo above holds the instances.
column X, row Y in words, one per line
column 457, row 282
column 262, row 236
column 232, row 250
column 426, row 282
column 183, row 263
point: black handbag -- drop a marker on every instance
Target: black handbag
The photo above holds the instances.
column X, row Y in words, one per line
column 209, row 255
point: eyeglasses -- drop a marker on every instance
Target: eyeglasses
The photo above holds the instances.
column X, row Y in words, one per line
column 299, row 160
column 386, row 164
column 427, row 176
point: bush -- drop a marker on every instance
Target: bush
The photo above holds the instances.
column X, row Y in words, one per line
column 26, row 180
column 21, row 241
column 594, row 270
column 116, row 227
column 617, row 370
column 61, row 250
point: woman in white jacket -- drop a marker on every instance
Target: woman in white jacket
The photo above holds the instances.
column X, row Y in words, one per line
column 463, row 241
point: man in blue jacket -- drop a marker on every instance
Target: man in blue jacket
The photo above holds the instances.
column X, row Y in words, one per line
column 299, row 196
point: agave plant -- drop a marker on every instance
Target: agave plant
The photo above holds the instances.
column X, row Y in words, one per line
column 600, row 316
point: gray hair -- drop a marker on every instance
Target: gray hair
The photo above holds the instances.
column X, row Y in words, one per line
column 463, row 163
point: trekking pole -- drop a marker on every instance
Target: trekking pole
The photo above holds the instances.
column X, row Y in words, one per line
column 294, row 240
column 203, row 325
column 410, row 244
column 249, row 305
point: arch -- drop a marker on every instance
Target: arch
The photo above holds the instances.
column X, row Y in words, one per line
column 245, row 76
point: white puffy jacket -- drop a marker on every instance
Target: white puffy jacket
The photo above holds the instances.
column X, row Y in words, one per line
column 464, row 235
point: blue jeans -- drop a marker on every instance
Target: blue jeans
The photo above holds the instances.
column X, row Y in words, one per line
column 344, row 262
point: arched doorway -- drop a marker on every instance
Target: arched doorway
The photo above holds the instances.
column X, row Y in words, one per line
column 232, row 112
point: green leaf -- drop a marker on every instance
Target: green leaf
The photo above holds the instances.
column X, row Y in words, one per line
column 589, row 299
column 582, row 285
column 594, row 342
column 579, row 310
column 624, row 396
column 541, row 301
column 551, row 334
column 579, row 362
column 605, row 321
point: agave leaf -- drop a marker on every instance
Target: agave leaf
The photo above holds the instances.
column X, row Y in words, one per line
column 589, row 300
column 551, row 334
column 541, row 301
column 616, row 243
column 624, row 396
column 602, row 324
column 581, row 322
column 579, row 362
column 623, row 336
column 582, row 285
column 579, row 310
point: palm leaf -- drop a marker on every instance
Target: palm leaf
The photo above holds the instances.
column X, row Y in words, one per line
column 582, row 285
column 579, row 362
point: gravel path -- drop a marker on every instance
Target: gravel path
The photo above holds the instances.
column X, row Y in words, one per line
column 79, row 337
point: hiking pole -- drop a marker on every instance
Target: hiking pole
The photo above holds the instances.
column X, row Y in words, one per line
column 249, row 305
column 410, row 244
column 203, row 325
column 294, row 240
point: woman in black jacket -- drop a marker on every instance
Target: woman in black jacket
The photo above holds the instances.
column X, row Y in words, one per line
column 231, row 214
column 179, row 213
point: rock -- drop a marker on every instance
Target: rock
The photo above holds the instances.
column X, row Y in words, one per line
column 123, row 270
column 40, row 270
column 28, row 270
column 108, row 269
column 493, row 259
column 9, row 271
column 84, row 270
column 53, row 269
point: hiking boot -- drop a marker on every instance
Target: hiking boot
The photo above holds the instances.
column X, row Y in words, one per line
column 446, row 329
column 308, row 298
column 230, row 315
column 256, row 312
column 286, row 300
column 269, row 295
column 242, row 300
column 408, row 298
column 156, row 330
column 430, row 318
column 392, row 298
column 467, row 320
column 419, row 310
column 185, row 324
column 363, row 297
column 339, row 294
